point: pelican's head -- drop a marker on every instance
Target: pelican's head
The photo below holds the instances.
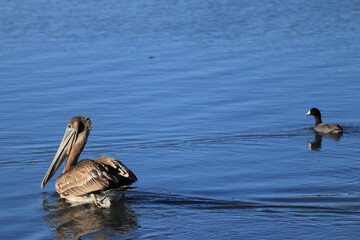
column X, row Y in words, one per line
column 74, row 140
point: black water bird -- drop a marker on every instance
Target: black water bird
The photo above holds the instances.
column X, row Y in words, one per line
column 320, row 127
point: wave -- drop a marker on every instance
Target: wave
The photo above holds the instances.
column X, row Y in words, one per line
column 339, row 203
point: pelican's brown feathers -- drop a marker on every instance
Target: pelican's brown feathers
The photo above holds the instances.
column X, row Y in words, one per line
column 88, row 176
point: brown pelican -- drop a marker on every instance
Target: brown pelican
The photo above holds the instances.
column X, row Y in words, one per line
column 102, row 181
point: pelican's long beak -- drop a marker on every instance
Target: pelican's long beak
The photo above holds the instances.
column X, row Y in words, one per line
column 308, row 113
column 61, row 154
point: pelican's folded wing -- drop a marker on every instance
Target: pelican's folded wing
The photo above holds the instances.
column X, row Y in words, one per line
column 85, row 177
column 115, row 168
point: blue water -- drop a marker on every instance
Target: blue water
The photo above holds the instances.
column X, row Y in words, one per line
column 204, row 101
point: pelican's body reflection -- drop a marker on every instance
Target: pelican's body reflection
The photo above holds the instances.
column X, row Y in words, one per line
column 316, row 145
column 73, row 221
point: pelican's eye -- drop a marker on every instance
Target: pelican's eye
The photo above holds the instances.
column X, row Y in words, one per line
column 69, row 126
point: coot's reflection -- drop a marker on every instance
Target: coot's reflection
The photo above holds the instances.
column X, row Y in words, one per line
column 316, row 145
column 74, row 221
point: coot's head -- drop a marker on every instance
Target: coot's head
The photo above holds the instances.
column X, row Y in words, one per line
column 314, row 111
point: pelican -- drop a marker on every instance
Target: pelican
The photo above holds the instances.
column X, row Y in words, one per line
column 102, row 181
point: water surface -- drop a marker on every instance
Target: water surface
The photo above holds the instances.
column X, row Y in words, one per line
column 204, row 101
